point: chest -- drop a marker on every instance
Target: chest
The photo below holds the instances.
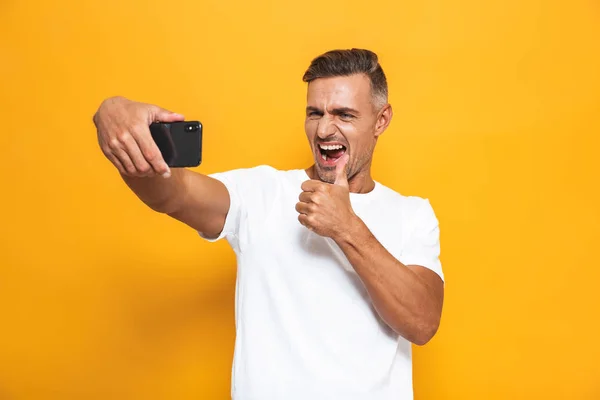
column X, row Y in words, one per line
column 288, row 243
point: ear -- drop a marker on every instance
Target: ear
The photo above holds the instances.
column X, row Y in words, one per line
column 384, row 117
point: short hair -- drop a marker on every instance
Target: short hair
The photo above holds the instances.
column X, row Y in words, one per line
column 349, row 62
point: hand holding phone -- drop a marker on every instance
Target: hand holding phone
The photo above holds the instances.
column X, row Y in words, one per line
column 124, row 136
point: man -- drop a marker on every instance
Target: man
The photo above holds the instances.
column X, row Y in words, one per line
column 337, row 274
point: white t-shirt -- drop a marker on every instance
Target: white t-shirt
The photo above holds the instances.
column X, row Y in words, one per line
column 306, row 328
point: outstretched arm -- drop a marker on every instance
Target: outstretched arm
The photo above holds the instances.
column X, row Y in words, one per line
column 124, row 136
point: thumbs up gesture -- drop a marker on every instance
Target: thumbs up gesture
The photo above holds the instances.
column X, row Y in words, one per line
column 325, row 208
column 341, row 176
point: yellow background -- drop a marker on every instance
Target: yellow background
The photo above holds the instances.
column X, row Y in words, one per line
column 497, row 109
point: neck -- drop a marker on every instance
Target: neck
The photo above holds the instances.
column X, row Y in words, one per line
column 361, row 182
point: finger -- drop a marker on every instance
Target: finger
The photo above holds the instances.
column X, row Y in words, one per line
column 113, row 159
column 311, row 185
column 311, row 197
column 125, row 161
column 308, row 221
column 306, row 197
column 302, row 208
column 135, row 154
column 341, row 177
column 163, row 115
column 151, row 152
column 303, row 219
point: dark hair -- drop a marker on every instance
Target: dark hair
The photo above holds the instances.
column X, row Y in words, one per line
column 350, row 62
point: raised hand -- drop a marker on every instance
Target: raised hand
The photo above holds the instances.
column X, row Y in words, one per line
column 124, row 136
column 325, row 208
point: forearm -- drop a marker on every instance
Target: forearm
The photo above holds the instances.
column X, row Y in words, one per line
column 158, row 193
column 197, row 200
column 401, row 297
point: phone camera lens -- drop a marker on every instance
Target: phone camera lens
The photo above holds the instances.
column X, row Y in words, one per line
column 191, row 128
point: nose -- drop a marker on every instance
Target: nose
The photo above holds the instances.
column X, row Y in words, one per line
column 326, row 127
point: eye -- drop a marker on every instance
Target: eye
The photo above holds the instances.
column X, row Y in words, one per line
column 346, row 116
column 313, row 114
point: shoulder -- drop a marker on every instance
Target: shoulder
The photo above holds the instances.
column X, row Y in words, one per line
column 261, row 180
column 410, row 203
column 258, row 171
column 252, row 178
column 411, row 207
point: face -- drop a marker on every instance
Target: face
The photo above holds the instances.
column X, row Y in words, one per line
column 341, row 118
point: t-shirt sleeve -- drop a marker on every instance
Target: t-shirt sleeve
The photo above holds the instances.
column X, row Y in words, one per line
column 237, row 213
column 423, row 245
column 247, row 203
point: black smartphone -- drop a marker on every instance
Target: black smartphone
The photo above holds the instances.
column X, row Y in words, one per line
column 180, row 143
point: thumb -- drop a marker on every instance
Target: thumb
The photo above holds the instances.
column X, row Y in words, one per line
column 341, row 178
column 162, row 115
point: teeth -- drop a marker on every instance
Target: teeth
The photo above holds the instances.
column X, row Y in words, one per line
column 331, row 147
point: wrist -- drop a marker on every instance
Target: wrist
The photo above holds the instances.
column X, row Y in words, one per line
column 353, row 232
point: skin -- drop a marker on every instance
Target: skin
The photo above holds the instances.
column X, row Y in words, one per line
column 340, row 109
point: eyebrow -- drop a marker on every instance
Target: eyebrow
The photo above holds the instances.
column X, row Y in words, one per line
column 335, row 111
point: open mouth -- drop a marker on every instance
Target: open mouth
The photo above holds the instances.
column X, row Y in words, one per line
column 330, row 153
